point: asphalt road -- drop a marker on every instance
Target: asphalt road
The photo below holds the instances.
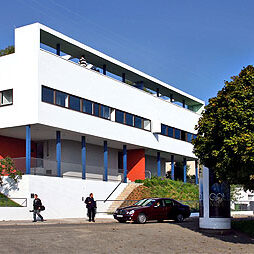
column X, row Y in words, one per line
column 112, row 237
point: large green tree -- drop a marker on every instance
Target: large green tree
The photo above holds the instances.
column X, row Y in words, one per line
column 7, row 51
column 225, row 139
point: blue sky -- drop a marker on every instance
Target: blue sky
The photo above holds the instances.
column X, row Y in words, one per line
column 193, row 45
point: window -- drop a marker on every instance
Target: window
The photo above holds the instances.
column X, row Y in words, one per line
column 164, row 129
column 168, row 202
column 194, row 136
column 74, row 103
column 120, row 160
column 147, row 124
column 105, row 112
column 47, row 95
column 96, row 108
column 6, row 97
column 129, row 119
column 61, row 99
column 87, row 107
column 189, row 137
column 177, row 134
column 183, row 135
column 138, row 122
column 171, row 132
column 119, row 116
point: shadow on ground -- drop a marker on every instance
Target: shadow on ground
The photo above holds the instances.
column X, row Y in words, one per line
column 232, row 236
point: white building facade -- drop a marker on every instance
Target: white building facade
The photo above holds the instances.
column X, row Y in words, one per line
column 106, row 121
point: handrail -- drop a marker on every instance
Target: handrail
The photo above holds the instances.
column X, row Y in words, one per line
column 113, row 191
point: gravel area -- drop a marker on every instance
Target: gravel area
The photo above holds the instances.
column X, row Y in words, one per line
column 108, row 236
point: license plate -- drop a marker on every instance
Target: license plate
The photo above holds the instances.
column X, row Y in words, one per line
column 119, row 215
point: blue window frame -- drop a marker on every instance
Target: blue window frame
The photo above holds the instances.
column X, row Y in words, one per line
column 105, row 112
column 87, row 106
column 119, row 116
column 96, row 109
column 129, row 119
column 138, row 122
column 177, row 134
column 47, row 95
column 61, row 99
column 74, row 103
column 164, row 129
column 171, row 132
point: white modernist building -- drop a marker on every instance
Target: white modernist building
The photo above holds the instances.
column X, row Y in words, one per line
column 104, row 121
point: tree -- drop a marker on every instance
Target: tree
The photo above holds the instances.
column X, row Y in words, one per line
column 8, row 168
column 7, row 51
column 225, row 139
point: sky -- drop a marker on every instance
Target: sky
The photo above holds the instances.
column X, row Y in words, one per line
column 193, row 45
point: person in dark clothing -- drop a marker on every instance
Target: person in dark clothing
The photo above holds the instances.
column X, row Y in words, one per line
column 37, row 208
column 91, row 207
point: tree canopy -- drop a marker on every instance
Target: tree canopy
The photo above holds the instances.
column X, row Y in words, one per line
column 7, row 51
column 225, row 139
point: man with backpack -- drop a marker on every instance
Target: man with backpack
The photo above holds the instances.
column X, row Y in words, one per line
column 91, row 207
column 38, row 207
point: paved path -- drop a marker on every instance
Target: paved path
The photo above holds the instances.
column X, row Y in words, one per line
column 108, row 236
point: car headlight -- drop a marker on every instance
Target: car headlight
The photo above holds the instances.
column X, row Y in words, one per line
column 131, row 212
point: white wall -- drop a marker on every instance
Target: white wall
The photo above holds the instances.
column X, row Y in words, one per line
column 62, row 197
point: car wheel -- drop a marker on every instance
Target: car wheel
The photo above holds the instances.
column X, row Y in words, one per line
column 179, row 218
column 121, row 221
column 141, row 218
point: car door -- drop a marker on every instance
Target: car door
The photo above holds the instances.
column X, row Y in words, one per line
column 158, row 211
column 169, row 204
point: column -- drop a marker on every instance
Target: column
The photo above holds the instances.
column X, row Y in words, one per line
column 104, row 69
column 183, row 103
column 158, row 92
column 196, row 171
column 105, row 161
column 184, row 169
column 28, row 149
column 158, row 164
column 171, row 97
column 123, row 77
column 125, row 164
column 172, row 167
column 83, row 156
column 58, row 152
column 58, row 49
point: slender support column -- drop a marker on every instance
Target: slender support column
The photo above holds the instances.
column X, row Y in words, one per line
column 105, row 161
column 58, row 152
column 104, row 69
column 125, row 163
column 28, row 149
column 158, row 92
column 183, row 103
column 196, row 171
column 158, row 164
column 184, row 169
column 171, row 97
column 172, row 167
column 58, row 49
column 123, row 77
column 83, row 156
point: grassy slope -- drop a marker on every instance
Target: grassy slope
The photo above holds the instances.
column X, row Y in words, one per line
column 4, row 202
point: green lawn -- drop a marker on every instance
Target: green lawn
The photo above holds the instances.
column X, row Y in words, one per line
column 245, row 226
column 4, row 202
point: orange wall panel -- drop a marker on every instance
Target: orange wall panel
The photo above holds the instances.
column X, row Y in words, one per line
column 136, row 164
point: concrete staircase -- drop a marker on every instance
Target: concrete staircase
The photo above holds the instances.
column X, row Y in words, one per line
column 123, row 196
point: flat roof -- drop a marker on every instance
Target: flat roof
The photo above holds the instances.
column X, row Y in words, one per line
column 74, row 48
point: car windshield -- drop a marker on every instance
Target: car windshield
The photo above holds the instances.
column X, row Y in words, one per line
column 145, row 202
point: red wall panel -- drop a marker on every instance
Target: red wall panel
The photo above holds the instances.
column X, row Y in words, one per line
column 136, row 164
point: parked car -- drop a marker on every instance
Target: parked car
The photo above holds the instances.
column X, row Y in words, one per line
column 153, row 209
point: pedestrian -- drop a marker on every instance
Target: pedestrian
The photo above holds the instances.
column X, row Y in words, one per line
column 91, row 207
column 82, row 61
column 37, row 208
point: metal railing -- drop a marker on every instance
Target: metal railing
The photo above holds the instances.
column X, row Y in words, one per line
column 13, row 202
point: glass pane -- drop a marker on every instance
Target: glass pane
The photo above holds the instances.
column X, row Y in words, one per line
column 105, row 112
column 129, row 119
column 61, row 99
column 170, row 132
column 138, row 122
column 119, row 116
column 177, row 134
column 163, row 129
column 96, row 109
column 47, row 95
column 7, row 97
column 189, row 137
column 194, row 136
column 183, row 135
column 147, row 125
column 1, row 98
column 74, row 103
column 87, row 107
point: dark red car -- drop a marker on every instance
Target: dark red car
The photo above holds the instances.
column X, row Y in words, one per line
column 153, row 209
